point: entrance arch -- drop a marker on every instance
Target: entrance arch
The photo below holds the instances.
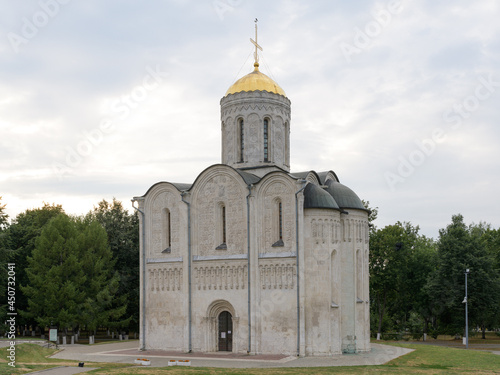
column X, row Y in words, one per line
column 222, row 327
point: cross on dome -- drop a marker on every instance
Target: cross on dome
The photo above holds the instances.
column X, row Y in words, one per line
column 254, row 42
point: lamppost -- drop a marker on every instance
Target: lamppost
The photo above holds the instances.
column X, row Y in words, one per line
column 466, row 313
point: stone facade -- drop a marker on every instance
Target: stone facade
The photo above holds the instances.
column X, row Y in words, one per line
column 251, row 258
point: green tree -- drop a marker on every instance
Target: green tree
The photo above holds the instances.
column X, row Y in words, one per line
column 372, row 216
column 385, row 264
column 72, row 282
column 462, row 247
column 4, row 218
column 103, row 306
column 400, row 261
column 123, row 237
column 491, row 239
column 421, row 262
column 22, row 234
column 4, row 259
column 56, row 288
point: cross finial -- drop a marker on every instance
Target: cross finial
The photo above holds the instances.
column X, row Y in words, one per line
column 254, row 42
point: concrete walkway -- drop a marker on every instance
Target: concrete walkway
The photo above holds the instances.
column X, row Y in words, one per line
column 64, row 370
column 127, row 352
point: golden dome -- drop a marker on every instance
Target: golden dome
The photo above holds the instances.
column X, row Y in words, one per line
column 255, row 81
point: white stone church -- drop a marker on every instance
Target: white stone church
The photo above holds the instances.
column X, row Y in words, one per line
column 250, row 257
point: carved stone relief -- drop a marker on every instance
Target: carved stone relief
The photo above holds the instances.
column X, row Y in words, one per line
column 168, row 278
column 252, row 141
column 165, row 200
column 278, row 191
column 220, row 190
column 229, row 142
column 220, row 277
column 280, row 275
column 279, row 144
column 326, row 230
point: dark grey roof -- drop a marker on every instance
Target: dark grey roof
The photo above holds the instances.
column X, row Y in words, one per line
column 249, row 178
column 322, row 176
column 345, row 197
column 316, row 197
column 303, row 175
column 181, row 186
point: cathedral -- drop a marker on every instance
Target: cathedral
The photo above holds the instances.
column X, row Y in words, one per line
column 250, row 257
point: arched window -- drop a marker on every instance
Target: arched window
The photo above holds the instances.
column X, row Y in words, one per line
column 280, row 221
column 278, row 224
column 167, row 231
column 241, row 145
column 223, row 224
column 222, row 233
column 266, row 139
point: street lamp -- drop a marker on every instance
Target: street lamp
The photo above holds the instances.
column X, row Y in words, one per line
column 466, row 313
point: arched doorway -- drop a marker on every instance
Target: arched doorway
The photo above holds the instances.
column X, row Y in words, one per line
column 221, row 317
column 225, row 332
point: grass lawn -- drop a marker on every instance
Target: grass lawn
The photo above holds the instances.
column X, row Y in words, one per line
column 32, row 357
column 426, row 359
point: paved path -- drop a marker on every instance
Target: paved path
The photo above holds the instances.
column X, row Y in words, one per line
column 64, row 370
column 127, row 352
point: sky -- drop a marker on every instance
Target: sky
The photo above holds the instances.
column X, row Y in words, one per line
column 102, row 99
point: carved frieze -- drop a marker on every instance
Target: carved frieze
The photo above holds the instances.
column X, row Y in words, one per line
column 326, row 230
column 223, row 277
column 277, row 275
column 168, row 278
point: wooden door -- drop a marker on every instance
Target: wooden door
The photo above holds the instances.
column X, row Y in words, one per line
column 225, row 333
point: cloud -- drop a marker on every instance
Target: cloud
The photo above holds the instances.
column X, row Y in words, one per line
column 359, row 117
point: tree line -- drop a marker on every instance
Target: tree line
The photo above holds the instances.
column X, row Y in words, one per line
column 78, row 273
column 417, row 284
column 83, row 272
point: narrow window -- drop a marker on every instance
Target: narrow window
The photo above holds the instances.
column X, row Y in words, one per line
column 167, row 230
column 223, row 224
column 280, row 219
column 242, row 136
column 222, row 228
column 266, row 139
column 279, row 225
